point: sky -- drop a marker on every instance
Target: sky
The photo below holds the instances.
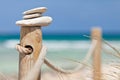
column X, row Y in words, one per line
column 69, row 16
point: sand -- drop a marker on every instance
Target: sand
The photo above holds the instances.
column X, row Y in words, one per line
column 109, row 72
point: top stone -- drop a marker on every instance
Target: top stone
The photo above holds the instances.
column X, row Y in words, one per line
column 35, row 10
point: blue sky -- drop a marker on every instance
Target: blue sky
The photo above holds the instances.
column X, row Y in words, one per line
column 69, row 16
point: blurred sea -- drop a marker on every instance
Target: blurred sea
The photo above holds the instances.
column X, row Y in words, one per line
column 60, row 48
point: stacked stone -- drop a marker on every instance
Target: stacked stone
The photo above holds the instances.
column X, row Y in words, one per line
column 34, row 17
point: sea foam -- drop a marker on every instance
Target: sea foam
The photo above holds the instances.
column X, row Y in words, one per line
column 10, row 43
column 53, row 44
column 59, row 44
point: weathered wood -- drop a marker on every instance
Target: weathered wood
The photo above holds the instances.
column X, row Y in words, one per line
column 34, row 72
column 30, row 37
column 96, row 34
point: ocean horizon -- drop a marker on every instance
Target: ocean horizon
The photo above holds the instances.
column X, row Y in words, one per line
column 78, row 36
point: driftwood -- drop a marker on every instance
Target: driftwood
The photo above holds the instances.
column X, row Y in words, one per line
column 96, row 33
column 31, row 38
column 34, row 72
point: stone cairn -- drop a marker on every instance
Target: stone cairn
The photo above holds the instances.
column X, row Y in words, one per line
column 31, row 42
column 34, row 17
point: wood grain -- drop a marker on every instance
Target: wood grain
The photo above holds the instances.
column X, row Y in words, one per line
column 30, row 36
column 96, row 34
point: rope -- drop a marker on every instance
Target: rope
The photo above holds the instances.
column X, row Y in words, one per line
column 117, row 51
column 108, row 44
column 37, row 66
column 91, row 50
column 41, row 59
column 26, row 51
column 22, row 50
column 108, row 52
column 56, row 68
column 5, row 77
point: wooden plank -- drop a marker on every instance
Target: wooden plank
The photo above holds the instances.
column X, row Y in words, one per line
column 30, row 37
column 96, row 34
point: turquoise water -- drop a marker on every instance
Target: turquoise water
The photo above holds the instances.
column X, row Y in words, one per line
column 60, row 49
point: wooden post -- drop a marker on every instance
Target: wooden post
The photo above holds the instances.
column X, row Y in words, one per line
column 31, row 37
column 96, row 34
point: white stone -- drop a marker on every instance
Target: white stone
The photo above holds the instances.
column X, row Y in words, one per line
column 35, row 10
column 41, row 21
column 30, row 16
